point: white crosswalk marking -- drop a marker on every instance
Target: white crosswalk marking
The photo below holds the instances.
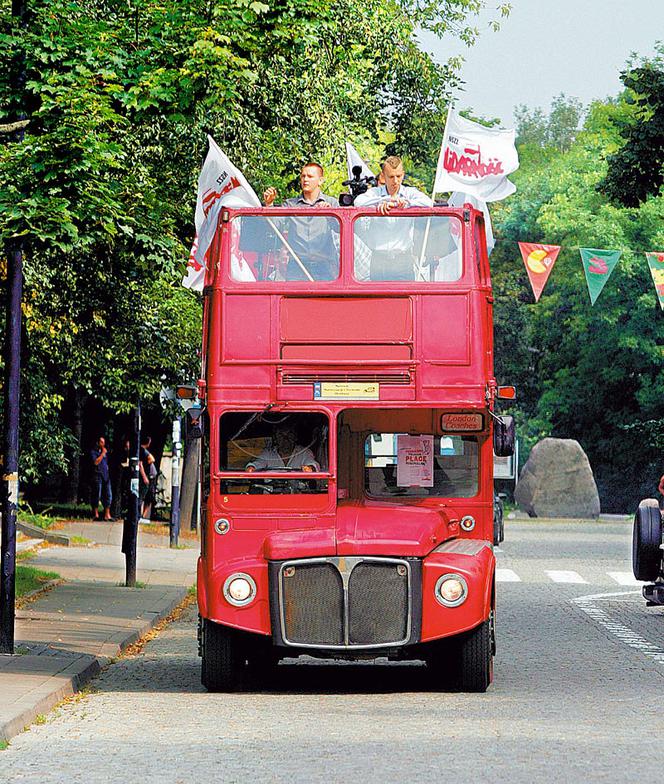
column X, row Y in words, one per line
column 507, row 576
column 564, row 576
column 624, row 578
column 568, row 576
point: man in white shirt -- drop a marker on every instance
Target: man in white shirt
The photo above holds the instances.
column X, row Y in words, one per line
column 285, row 453
column 391, row 240
column 393, row 193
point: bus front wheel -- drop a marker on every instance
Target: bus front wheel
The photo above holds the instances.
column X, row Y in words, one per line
column 222, row 658
column 475, row 658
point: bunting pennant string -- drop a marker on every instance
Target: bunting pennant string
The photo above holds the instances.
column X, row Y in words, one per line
column 598, row 265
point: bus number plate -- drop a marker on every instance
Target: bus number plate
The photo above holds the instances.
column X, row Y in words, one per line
column 334, row 390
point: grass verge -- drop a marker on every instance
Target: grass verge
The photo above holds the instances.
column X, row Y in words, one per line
column 29, row 579
column 33, row 518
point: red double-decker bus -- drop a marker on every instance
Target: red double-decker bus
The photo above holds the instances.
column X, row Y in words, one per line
column 348, row 389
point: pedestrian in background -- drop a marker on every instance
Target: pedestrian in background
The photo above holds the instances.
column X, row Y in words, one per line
column 122, row 481
column 148, row 473
column 660, row 487
column 101, row 480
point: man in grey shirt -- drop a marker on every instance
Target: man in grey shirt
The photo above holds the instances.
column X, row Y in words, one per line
column 312, row 239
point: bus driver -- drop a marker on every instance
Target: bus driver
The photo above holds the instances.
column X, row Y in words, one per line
column 284, row 452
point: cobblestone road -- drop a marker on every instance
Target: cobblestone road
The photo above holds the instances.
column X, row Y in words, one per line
column 572, row 700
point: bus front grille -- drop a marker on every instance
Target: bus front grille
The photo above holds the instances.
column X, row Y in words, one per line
column 345, row 602
column 313, row 604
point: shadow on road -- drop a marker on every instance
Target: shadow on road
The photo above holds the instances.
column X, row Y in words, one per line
column 181, row 673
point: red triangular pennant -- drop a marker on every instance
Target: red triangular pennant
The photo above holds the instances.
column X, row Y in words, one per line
column 539, row 261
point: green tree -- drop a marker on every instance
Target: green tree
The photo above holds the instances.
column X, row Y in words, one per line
column 556, row 131
column 636, row 170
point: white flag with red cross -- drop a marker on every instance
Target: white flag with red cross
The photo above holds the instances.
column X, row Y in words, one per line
column 475, row 159
column 220, row 184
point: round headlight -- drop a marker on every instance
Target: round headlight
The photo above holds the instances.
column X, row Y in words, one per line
column 239, row 589
column 451, row 590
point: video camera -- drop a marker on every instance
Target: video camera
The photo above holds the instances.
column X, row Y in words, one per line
column 357, row 186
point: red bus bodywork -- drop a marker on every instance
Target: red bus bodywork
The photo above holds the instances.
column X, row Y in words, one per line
column 429, row 348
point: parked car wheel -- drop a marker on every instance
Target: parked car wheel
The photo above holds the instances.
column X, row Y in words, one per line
column 646, row 540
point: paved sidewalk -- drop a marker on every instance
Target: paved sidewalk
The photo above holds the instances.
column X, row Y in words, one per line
column 64, row 637
column 150, row 534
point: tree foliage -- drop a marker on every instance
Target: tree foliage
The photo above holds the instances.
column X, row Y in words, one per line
column 556, row 131
column 636, row 170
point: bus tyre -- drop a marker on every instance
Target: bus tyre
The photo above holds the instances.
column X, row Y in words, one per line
column 647, row 537
column 223, row 658
column 476, row 658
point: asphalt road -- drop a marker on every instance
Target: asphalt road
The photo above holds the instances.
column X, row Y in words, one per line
column 578, row 696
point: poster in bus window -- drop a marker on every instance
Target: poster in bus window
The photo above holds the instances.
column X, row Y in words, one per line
column 415, row 461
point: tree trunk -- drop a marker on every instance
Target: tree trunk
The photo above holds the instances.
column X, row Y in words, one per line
column 189, row 485
column 73, row 480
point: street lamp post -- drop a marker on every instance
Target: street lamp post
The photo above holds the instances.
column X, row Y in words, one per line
column 11, row 448
column 175, row 484
column 130, row 526
column 9, row 479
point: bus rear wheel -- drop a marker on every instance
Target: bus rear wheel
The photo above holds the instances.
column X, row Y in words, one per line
column 222, row 658
column 475, row 658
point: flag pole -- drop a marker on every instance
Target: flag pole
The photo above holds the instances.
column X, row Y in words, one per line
column 290, row 250
column 425, row 241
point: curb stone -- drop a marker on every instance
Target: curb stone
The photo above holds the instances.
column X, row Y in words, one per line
column 35, row 532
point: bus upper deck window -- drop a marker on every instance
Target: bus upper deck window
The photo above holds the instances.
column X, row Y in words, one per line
column 423, row 249
column 283, row 248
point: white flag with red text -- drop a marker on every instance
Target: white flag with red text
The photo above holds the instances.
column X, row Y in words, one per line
column 475, row 159
column 219, row 184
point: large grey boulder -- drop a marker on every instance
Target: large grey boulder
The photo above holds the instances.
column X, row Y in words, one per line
column 557, row 481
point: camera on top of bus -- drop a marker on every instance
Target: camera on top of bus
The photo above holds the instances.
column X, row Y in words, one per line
column 357, row 185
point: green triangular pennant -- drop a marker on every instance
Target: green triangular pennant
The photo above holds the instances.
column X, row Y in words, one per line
column 598, row 266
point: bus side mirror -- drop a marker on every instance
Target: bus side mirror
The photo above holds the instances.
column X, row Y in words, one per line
column 504, row 433
column 195, row 423
column 506, row 393
column 186, row 392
